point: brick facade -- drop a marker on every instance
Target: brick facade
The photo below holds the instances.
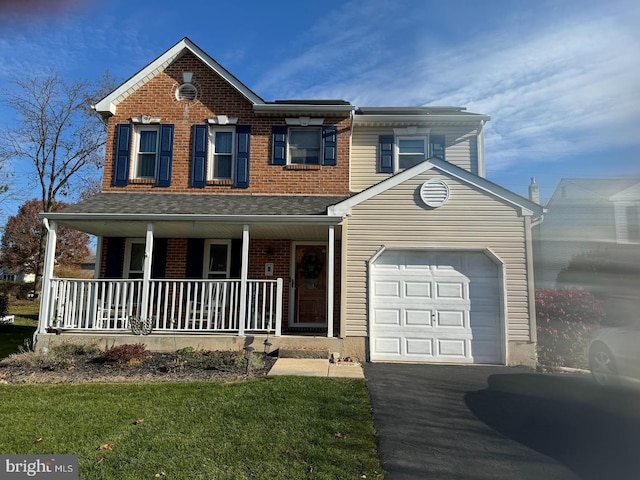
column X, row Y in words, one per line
column 216, row 97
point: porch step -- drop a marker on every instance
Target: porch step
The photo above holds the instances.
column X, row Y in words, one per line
column 303, row 352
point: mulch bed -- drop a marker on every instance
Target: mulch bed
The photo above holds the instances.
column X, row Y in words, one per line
column 154, row 367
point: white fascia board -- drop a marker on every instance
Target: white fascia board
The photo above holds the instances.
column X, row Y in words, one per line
column 295, row 108
column 248, row 219
column 107, row 103
column 631, row 193
column 527, row 207
column 344, row 208
column 426, row 118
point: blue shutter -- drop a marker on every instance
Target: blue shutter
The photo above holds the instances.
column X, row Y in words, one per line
column 243, row 146
column 279, row 145
column 329, row 145
column 437, row 146
column 122, row 155
column 165, row 157
column 199, row 142
column 385, row 154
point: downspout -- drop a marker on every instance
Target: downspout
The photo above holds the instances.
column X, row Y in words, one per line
column 531, row 292
column 480, row 148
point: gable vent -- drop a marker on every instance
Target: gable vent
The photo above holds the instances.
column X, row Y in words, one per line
column 187, row 92
column 434, row 193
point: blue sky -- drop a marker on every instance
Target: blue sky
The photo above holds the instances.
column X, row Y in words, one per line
column 560, row 79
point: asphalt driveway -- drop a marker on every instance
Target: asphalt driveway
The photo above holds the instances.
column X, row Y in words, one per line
column 480, row 422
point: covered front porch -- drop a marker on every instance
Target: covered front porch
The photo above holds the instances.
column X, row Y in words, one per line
column 272, row 274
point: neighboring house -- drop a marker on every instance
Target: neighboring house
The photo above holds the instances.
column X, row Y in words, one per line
column 593, row 223
column 368, row 231
column 12, row 276
column 583, row 216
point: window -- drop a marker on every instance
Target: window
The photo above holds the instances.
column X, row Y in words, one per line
column 411, row 151
column 222, row 153
column 146, row 152
column 217, row 259
column 304, row 146
column 143, row 152
column 134, row 258
column 408, row 147
column 299, row 146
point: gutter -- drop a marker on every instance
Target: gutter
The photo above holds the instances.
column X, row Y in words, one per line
column 242, row 219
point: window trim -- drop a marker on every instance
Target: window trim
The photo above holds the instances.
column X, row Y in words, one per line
column 317, row 129
column 211, row 153
column 126, row 271
column 396, row 148
column 136, row 143
column 207, row 257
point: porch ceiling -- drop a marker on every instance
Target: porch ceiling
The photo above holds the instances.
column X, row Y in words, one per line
column 197, row 229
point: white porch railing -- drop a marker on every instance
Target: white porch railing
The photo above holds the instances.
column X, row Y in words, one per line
column 173, row 305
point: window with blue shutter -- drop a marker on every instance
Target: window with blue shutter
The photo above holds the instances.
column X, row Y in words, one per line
column 243, row 147
column 199, row 141
column 279, row 145
column 329, row 143
column 165, row 156
column 385, row 154
column 122, row 155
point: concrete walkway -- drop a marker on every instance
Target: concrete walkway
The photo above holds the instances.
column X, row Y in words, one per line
column 313, row 367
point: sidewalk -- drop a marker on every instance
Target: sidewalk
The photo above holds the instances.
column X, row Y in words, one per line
column 312, row 367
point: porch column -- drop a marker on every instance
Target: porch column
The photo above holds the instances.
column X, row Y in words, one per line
column 146, row 274
column 330, row 280
column 244, row 273
column 47, row 274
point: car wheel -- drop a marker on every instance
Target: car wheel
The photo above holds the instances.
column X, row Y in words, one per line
column 603, row 365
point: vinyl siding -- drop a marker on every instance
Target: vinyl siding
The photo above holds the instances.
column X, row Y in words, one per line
column 471, row 219
column 461, row 150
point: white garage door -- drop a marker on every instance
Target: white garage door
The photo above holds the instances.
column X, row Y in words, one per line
column 435, row 307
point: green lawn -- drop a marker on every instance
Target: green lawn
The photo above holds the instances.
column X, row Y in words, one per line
column 267, row 428
column 26, row 321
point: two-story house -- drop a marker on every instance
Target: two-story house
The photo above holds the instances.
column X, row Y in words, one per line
column 223, row 218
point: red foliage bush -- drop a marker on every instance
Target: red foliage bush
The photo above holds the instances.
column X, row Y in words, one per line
column 566, row 317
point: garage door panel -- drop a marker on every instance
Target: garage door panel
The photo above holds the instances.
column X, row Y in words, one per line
column 450, row 290
column 418, row 317
column 452, row 348
column 449, row 319
column 387, row 346
column 387, row 288
column 413, row 289
column 387, row 317
column 419, row 346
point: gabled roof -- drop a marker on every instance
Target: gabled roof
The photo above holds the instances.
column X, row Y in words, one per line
column 591, row 191
column 109, row 104
column 526, row 206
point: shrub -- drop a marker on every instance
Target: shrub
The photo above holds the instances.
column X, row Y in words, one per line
column 76, row 349
column 565, row 318
column 124, row 354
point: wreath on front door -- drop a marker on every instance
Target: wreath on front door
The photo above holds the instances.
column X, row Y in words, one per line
column 310, row 269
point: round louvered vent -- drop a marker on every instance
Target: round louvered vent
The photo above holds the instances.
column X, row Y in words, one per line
column 186, row 92
column 434, row 193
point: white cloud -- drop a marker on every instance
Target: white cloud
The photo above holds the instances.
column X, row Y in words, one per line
column 554, row 88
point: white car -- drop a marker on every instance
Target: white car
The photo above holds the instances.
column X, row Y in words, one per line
column 614, row 355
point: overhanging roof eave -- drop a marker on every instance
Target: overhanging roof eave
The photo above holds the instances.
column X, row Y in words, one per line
column 151, row 218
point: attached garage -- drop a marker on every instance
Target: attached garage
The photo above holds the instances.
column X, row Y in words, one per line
column 436, row 306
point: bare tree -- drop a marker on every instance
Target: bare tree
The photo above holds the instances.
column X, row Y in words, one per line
column 57, row 132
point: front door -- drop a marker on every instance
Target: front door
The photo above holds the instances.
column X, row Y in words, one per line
column 309, row 290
